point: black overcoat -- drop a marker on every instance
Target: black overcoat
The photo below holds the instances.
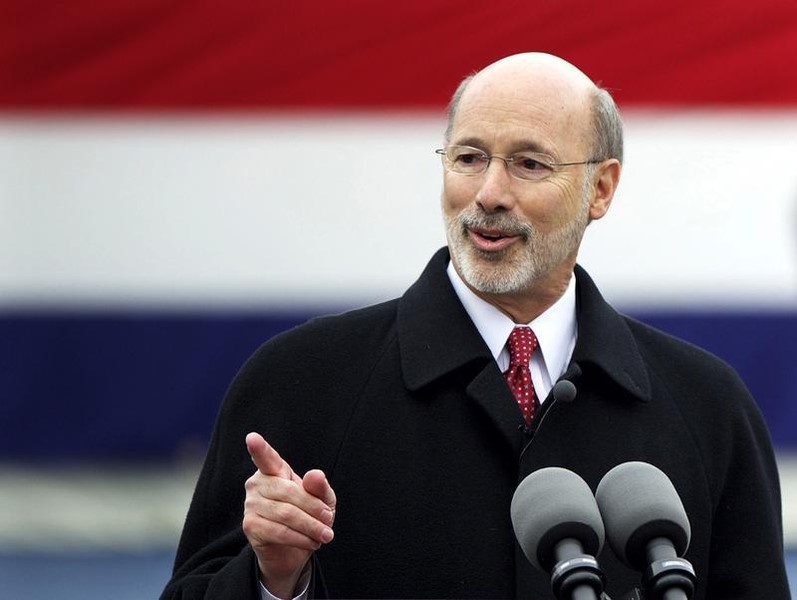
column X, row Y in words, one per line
column 404, row 408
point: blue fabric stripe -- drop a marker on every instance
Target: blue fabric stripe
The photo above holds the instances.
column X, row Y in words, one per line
column 762, row 347
column 135, row 386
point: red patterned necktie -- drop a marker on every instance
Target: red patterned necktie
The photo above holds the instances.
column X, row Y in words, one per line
column 522, row 343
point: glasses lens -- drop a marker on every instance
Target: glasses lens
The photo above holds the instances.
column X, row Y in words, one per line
column 530, row 165
column 464, row 159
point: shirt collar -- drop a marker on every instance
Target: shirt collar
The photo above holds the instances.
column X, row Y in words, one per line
column 556, row 328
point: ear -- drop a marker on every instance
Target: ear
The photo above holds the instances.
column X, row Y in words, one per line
column 604, row 182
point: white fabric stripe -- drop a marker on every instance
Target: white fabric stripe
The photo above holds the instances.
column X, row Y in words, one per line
column 344, row 209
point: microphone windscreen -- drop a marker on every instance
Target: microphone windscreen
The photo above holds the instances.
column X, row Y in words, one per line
column 564, row 391
column 638, row 503
column 550, row 505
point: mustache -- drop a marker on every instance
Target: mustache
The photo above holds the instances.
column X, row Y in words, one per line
column 506, row 224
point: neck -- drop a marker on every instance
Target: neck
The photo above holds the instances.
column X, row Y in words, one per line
column 529, row 303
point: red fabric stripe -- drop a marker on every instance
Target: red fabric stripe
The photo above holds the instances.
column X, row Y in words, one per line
column 261, row 54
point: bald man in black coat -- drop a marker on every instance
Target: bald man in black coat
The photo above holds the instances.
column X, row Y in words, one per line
column 388, row 443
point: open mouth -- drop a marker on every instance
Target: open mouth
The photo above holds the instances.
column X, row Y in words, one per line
column 491, row 240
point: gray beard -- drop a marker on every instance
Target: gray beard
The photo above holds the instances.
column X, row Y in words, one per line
column 516, row 268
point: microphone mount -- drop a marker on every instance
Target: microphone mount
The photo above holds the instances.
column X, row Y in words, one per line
column 577, row 575
column 667, row 577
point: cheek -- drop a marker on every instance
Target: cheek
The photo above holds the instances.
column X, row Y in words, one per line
column 549, row 207
column 458, row 192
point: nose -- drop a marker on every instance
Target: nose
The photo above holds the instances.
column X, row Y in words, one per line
column 495, row 193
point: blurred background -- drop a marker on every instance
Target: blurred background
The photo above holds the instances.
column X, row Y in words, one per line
column 179, row 181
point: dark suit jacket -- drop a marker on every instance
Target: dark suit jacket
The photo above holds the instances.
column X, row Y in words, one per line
column 404, row 408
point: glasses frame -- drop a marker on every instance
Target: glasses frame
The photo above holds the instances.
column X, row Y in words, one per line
column 545, row 160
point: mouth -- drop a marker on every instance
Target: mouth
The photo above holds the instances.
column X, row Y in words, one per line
column 491, row 240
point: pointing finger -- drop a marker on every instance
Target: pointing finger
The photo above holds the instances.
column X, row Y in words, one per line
column 266, row 459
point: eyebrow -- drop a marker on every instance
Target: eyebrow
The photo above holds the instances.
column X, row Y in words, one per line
column 521, row 146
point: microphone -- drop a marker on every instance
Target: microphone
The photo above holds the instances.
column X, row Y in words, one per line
column 647, row 528
column 563, row 390
column 559, row 528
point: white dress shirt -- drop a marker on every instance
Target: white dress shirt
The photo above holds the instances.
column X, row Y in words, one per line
column 556, row 331
column 303, row 585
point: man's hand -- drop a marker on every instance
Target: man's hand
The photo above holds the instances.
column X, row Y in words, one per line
column 286, row 517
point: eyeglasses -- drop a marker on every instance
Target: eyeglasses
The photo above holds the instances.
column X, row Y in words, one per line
column 529, row 166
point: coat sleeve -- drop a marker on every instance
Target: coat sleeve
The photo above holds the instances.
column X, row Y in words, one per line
column 747, row 559
column 214, row 559
column 273, row 396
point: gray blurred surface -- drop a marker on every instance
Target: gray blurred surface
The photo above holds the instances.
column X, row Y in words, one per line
column 110, row 532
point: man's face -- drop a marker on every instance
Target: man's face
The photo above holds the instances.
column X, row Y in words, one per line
column 508, row 235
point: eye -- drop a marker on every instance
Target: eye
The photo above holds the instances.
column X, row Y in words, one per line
column 531, row 165
column 467, row 157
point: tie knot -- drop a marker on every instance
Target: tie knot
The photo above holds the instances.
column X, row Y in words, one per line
column 522, row 343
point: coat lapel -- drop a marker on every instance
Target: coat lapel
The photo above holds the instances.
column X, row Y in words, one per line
column 437, row 338
column 606, row 342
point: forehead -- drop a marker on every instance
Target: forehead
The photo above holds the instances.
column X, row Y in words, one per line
column 507, row 114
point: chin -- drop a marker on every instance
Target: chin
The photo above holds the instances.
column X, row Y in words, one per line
column 494, row 272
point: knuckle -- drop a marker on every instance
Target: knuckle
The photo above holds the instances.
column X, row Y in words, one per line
column 249, row 524
column 252, row 483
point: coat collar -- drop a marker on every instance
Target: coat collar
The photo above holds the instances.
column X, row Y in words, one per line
column 605, row 340
column 436, row 336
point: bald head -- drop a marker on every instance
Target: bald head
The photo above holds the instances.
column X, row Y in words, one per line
column 548, row 81
column 536, row 72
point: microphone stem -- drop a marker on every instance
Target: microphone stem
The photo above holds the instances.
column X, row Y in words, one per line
column 585, row 592
column 675, row 594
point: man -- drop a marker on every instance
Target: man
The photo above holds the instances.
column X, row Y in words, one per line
column 400, row 442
